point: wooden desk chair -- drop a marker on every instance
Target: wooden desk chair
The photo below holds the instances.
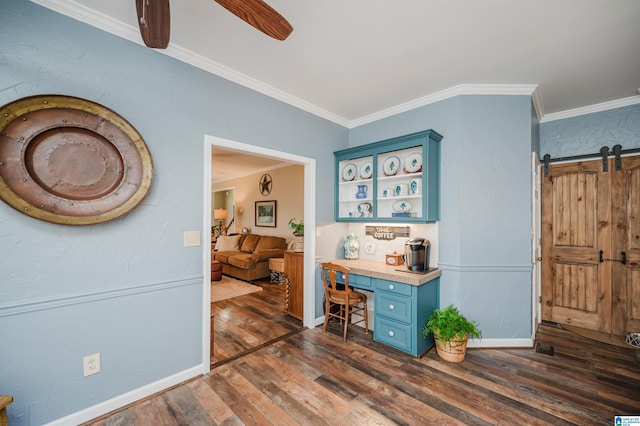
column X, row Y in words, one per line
column 348, row 300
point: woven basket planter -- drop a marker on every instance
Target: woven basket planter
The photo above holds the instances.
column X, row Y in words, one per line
column 454, row 350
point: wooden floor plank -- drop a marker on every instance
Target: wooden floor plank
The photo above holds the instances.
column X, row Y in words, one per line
column 309, row 378
column 246, row 322
column 211, row 402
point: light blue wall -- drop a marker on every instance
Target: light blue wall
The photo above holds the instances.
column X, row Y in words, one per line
column 127, row 289
column 586, row 134
column 484, row 233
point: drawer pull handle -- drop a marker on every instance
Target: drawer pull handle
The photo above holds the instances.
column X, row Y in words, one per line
column 391, row 307
column 392, row 287
column 391, row 334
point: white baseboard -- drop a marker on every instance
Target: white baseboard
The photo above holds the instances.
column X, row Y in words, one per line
column 127, row 398
column 500, row 343
column 483, row 343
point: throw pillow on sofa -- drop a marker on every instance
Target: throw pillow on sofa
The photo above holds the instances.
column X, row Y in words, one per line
column 250, row 243
column 228, row 243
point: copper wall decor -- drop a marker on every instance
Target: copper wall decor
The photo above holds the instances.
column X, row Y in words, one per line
column 70, row 161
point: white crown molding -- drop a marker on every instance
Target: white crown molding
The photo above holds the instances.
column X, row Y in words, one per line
column 604, row 106
column 538, row 107
column 81, row 13
column 461, row 89
column 84, row 14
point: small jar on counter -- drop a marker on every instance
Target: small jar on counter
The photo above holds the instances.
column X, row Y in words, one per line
column 351, row 247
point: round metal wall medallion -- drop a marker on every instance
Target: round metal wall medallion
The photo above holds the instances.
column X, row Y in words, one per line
column 70, row 161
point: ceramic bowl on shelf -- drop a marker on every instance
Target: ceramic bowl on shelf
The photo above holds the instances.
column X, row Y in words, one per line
column 366, row 170
column 349, row 172
column 413, row 163
column 402, row 206
column 365, row 209
column 415, row 186
column 391, row 166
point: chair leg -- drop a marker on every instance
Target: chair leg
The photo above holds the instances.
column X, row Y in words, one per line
column 326, row 316
column 346, row 322
column 366, row 319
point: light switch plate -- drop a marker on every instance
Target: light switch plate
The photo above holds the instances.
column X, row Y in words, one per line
column 191, row 238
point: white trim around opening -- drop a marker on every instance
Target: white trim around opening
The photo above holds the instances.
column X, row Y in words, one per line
column 309, row 240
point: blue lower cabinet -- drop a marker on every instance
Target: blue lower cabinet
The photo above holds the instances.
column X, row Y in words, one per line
column 394, row 307
column 402, row 312
column 360, row 281
column 393, row 333
column 357, row 281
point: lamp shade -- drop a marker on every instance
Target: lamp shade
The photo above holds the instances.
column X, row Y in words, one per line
column 220, row 214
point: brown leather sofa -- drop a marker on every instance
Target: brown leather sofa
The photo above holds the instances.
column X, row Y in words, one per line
column 246, row 257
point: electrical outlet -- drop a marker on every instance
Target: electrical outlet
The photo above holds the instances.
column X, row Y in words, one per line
column 91, row 364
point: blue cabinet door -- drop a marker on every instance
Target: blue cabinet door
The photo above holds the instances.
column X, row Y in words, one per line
column 402, row 312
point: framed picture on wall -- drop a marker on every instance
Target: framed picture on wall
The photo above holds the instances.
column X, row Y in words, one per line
column 266, row 213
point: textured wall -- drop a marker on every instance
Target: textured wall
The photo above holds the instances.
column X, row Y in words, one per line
column 484, row 231
column 127, row 289
column 586, row 134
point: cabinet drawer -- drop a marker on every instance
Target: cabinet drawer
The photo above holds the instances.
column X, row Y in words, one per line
column 393, row 333
column 393, row 307
column 357, row 281
column 393, row 287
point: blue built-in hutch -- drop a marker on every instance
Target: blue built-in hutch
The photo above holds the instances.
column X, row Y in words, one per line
column 395, row 180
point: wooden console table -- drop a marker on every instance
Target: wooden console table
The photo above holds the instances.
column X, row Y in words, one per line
column 4, row 401
column 294, row 292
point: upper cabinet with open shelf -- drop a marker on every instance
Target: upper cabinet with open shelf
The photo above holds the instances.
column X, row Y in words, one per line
column 395, row 180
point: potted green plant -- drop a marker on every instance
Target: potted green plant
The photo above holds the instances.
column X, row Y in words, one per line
column 297, row 226
column 451, row 331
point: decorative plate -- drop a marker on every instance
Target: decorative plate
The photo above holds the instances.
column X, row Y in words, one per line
column 401, row 206
column 366, row 171
column 70, row 161
column 413, row 163
column 349, row 172
column 391, row 166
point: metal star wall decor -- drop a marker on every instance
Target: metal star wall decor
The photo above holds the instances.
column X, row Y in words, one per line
column 265, row 184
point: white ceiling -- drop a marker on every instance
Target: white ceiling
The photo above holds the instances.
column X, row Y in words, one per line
column 353, row 61
column 227, row 164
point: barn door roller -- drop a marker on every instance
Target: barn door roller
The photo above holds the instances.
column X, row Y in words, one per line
column 604, row 153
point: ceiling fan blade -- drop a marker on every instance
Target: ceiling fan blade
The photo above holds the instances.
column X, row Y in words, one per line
column 259, row 15
column 154, row 20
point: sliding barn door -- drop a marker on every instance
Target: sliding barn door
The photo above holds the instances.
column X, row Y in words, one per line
column 576, row 286
column 626, row 246
column 591, row 245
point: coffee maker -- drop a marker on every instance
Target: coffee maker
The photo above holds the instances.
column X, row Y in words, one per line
column 416, row 254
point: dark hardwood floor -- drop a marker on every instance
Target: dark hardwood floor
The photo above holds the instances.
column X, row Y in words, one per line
column 248, row 322
column 308, row 378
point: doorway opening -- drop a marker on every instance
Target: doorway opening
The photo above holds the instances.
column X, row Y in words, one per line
column 308, row 164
